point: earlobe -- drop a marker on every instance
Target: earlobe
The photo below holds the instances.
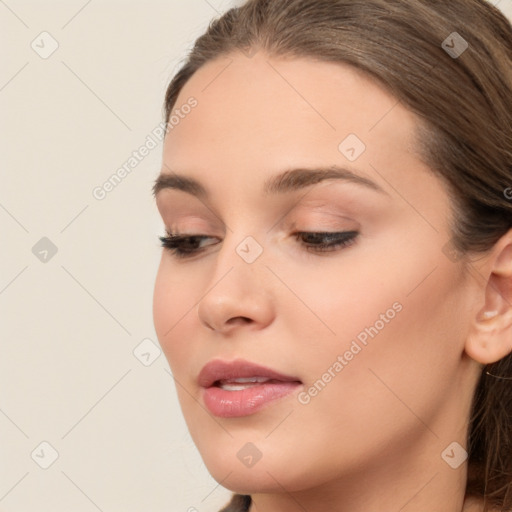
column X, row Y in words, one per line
column 490, row 335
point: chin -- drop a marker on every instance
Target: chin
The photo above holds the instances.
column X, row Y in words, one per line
column 234, row 469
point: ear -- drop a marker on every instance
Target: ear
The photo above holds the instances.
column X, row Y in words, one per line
column 490, row 335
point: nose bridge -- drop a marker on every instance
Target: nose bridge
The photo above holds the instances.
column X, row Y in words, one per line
column 242, row 256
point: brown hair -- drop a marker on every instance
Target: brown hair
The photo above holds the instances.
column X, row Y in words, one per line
column 464, row 105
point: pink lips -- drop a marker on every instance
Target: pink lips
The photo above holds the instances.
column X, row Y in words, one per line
column 240, row 388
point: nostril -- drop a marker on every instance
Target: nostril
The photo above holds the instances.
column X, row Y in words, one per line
column 239, row 319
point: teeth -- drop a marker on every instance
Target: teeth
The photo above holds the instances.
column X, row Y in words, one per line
column 243, row 380
column 234, row 387
column 241, row 383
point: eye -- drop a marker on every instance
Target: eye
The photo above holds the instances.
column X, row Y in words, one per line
column 325, row 242
column 183, row 246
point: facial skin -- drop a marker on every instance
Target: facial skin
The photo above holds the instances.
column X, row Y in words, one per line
column 373, row 437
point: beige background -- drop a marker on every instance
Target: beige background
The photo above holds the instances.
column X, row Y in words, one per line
column 72, row 371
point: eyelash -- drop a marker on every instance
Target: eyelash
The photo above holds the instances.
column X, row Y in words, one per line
column 175, row 242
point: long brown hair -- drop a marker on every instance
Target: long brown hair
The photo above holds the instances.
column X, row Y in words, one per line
column 464, row 102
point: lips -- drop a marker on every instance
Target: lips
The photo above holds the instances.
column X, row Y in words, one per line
column 240, row 388
column 223, row 371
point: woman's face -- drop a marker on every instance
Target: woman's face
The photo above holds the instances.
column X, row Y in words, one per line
column 366, row 337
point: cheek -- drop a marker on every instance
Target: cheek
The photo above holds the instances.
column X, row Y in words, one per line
column 172, row 316
column 400, row 317
column 400, row 342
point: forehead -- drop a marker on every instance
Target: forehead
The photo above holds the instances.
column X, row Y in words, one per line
column 264, row 113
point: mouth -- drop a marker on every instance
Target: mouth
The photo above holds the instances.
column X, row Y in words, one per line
column 240, row 388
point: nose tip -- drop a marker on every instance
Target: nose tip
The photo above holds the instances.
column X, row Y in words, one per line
column 235, row 303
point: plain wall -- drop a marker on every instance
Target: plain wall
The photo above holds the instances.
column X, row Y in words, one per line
column 73, row 372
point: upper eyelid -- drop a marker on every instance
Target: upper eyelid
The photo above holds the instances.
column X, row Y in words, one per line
column 321, row 205
column 315, row 207
column 316, row 225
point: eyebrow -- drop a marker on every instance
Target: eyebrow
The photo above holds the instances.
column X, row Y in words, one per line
column 287, row 181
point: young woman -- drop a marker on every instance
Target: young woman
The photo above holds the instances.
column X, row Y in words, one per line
column 335, row 294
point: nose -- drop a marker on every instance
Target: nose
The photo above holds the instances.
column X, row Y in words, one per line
column 238, row 295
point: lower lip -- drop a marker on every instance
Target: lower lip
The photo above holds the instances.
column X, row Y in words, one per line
column 232, row 404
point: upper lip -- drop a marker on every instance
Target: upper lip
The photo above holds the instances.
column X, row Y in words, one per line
column 225, row 370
